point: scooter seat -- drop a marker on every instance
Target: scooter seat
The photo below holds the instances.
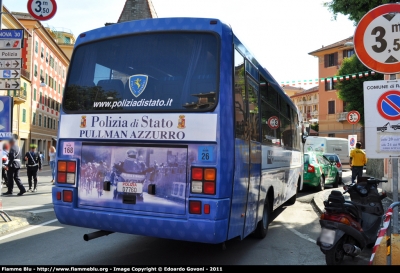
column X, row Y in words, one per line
column 353, row 209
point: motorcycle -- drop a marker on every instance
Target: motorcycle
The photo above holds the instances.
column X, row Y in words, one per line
column 348, row 227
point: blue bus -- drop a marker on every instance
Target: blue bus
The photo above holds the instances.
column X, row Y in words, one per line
column 170, row 128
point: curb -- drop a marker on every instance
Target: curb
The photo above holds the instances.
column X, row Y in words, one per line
column 19, row 220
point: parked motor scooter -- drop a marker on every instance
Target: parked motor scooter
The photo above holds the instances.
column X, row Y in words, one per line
column 348, row 227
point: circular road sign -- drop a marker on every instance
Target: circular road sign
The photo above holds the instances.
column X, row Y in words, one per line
column 352, row 142
column 389, row 105
column 42, row 10
column 273, row 122
column 353, row 117
column 377, row 39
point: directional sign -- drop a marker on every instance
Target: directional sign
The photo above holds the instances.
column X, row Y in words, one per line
column 10, row 74
column 42, row 10
column 6, row 106
column 10, row 84
column 10, row 54
column 10, row 64
column 382, row 118
column 11, row 34
column 273, row 122
column 377, row 39
column 10, row 44
column 353, row 117
column 389, row 105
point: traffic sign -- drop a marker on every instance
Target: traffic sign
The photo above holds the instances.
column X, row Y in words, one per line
column 353, row 117
column 377, row 39
column 389, row 105
column 10, row 64
column 11, row 33
column 10, row 84
column 10, row 44
column 382, row 118
column 6, row 107
column 273, row 122
column 352, row 142
column 42, row 10
column 10, row 53
column 10, row 74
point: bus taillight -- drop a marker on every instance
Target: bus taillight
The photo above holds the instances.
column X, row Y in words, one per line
column 66, row 172
column 203, row 180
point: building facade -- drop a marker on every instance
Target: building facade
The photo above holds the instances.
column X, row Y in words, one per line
column 307, row 102
column 331, row 109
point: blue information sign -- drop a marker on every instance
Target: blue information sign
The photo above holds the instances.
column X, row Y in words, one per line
column 6, row 106
column 11, row 34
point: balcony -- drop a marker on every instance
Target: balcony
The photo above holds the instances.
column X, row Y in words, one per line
column 342, row 116
column 314, row 113
column 18, row 95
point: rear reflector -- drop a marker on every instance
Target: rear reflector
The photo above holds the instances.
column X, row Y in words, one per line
column 206, row 209
column 71, row 166
column 67, row 196
column 58, row 195
column 194, row 207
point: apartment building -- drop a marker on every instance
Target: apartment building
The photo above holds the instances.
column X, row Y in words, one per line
column 307, row 102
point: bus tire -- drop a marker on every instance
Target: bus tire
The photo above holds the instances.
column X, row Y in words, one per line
column 262, row 226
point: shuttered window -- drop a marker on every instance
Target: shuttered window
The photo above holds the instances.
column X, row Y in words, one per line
column 331, row 107
column 331, row 59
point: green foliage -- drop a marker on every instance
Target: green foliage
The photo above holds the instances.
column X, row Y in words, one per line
column 315, row 127
column 351, row 91
column 355, row 9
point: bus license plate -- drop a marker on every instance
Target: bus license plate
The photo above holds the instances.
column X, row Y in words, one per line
column 327, row 236
column 130, row 187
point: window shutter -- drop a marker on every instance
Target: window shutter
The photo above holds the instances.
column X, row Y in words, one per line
column 326, row 60
column 344, row 54
column 335, row 58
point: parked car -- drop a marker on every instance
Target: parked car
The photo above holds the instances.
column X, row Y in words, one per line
column 319, row 171
column 335, row 158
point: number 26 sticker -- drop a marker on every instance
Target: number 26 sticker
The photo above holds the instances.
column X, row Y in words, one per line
column 206, row 153
column 68, row 148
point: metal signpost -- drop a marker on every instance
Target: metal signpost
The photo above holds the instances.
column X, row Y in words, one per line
column 11, row 43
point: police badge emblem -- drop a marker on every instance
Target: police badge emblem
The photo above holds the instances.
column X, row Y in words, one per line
column 137, row 84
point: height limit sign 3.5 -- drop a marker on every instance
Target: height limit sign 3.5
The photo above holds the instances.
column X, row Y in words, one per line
column 377, row 39
column 42, row 9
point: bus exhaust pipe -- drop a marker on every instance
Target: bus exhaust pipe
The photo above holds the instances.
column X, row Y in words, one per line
column 97, row 234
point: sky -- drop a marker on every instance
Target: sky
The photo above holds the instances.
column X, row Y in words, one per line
column 280, row 34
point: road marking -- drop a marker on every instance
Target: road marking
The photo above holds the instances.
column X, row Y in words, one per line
column 301, row 235
column 24, row 207
column 27, row 229
column 41, row 211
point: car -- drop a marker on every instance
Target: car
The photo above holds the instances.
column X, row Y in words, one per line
column 396, row 126
column 319, row 171
column 335, row 158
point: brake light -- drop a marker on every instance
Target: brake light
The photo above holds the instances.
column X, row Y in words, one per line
column 322, row 217
column 342, row 218
column 67, row 196
column 194, row 207
column 311, row 169
column 66, row 172
column 338, row 164
column 204, row 180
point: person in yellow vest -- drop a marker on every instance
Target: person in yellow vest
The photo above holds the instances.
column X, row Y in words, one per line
column 358, row 159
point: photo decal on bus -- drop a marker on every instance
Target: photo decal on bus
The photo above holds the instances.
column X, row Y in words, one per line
column 132, row 171
column 190, row 127
column 137, row 84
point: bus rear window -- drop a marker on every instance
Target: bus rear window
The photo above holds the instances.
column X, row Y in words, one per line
column 159, row 72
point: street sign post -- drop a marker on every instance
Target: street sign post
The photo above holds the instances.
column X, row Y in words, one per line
column 42, row 10
column 11, row 42
column 377, row 39
column 382, row 124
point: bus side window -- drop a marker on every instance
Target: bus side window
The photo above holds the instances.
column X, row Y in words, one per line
column 240, row 97
column 268, row 110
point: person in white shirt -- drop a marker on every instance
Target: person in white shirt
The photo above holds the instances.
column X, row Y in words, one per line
column 52, row 155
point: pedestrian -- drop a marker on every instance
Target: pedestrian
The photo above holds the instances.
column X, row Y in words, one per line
column 4, row 162
column 34, row 164
column 13, row 168
column 52, row 155
column 41, row 156
column 358, row 159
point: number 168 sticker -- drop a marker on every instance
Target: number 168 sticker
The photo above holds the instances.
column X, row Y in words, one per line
column 68, row 148
column 377, row 39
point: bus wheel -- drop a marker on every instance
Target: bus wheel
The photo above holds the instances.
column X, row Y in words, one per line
column 262, row 226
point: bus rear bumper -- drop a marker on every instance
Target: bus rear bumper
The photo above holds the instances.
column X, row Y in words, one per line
column 194, row 230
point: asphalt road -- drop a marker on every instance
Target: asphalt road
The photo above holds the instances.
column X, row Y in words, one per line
column 290, row 241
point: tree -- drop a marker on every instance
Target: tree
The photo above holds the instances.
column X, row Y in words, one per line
column 355, row 9
column 351, row 91
column 315, row 127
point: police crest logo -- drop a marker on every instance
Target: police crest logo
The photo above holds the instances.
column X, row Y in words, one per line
column 83, row 122
column 137, row 84
column 181, row 122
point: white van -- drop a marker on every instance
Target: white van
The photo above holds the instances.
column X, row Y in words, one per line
column 334, row 145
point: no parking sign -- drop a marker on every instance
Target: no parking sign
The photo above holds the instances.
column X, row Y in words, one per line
column 382, row 118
